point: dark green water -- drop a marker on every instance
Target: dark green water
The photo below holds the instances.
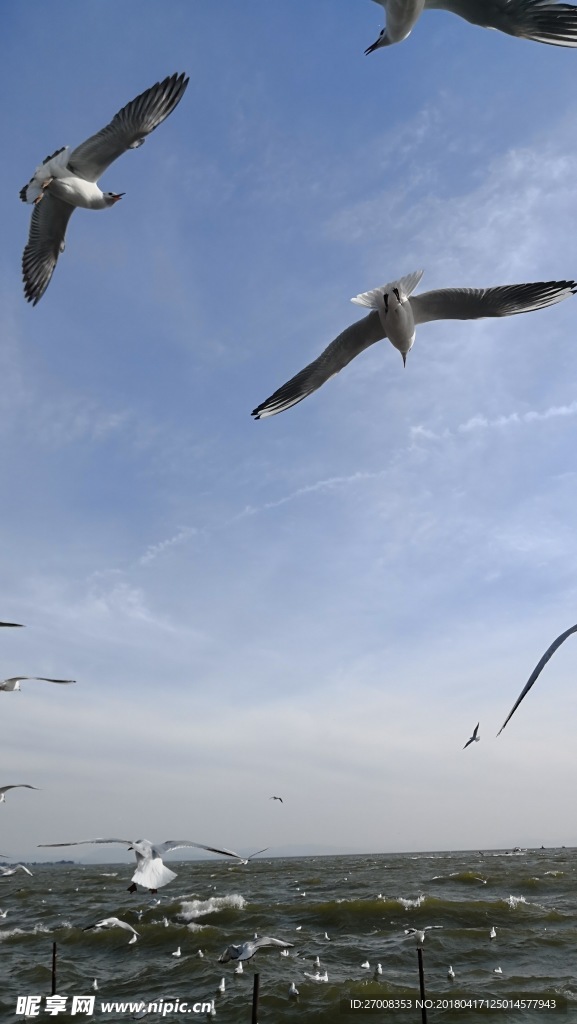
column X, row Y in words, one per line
column 363, row 903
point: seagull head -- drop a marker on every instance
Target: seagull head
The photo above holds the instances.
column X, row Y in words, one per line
column 110, row 198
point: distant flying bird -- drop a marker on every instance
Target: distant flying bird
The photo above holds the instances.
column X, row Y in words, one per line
column 68, row 179
column 13, row 624
column 396, row 316
column 474, row 738
column 245, row 860
column 4, row 872
column 14, row 682
column 150, row 870
column 18, row 785
column 276, row 798
column 246, row 950
column 113, row 922
column 539, row 20
column 537, row 672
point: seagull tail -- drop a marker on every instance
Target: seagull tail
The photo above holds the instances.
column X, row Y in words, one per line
column 374, row 298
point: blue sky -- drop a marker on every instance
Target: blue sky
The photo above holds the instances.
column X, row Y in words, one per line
column 322, row 604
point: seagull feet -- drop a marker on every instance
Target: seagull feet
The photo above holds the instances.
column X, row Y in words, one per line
column 43, row 186
column 151, row 890
column 132, row 888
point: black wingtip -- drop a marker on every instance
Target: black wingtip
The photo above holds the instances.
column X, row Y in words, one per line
column 18, row 625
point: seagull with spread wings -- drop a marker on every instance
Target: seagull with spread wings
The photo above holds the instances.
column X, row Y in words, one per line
column 397, row 313
column 68, row 179
column 18, row 785
column 150, row 872
column 474, row 738
column 13, row 684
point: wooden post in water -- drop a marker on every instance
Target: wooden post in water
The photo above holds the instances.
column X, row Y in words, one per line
column 422, row 984
column 53, row 991
column 255, row 989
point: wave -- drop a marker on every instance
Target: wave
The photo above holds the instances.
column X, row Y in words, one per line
column 199, row 908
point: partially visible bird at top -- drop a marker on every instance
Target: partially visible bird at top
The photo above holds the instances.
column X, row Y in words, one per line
column 474, row 738
column 537, row 672
column 18, row 785
column 276, row 798
column 150, row 872
column 12, row 684
column 396, row 315
column 539, row 20
column 67, row 179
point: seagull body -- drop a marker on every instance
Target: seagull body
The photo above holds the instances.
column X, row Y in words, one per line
column 67, row 179
column 450, row 973
column 493, row 933
column 537, row 672
column 150, row 872
column 539, row 20
column 246, row 950
column 474, row 738
column 221, row 985
column 239, row 969
column 14, row 682
column 293, row 991
column 113, row 922
column 379, row 969
column 396, row 313
column 419, row 933
column 177, row 952
column 19, row 785
column 317, row 976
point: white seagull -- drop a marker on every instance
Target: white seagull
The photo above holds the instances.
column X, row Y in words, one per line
column 493, row 933
column 474, row 738
column 451, row 973
column 318, row 976
column 12, row 684
column 177, row 952
column 293, row 992
column 245, row 860
column 396, row 315
column 113, row 922
column 239, row 969
column 419, row 933
column 18, row 785
column 150, row 870
column 537, row 672
column 246, row 950
column 539, row 20
column 12, row 871
column 67, row 179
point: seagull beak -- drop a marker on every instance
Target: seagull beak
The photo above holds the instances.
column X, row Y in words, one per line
column 404, row 355
column 117, row 196
column 371, row 49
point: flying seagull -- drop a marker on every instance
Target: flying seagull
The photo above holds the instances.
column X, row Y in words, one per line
column 537, row 672
column 12, row 871
column 67, row 179
column 395, row 317
column 245, row 860
column 275, row 797
column 150, row 870
column 14, row 682
column 539, row 20
column 474, row 738
column 113, row 922
column 246, row 950
column 419, row 933
column 18, row 785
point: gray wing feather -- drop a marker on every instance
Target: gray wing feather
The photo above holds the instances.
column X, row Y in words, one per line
column 128, row 129
column 474, row 303
column 84, row 842
column 350, row 343
column 537, row 672
column 175, row 844
column 45, row 243
column 540, row 20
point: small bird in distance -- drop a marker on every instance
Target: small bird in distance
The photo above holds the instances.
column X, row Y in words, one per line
column 474, row 738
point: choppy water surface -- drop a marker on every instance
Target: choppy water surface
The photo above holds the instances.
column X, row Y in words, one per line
column 363, row 903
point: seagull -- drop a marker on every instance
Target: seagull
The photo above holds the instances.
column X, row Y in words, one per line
column 12, row 871
column 239, row 969
column 419, row 933
column 113, row 922
column 276, row 798
column 497, row 970
column 493, row 933
column 474, row 738
column 246, row 950
column 539, row 20
column 14, row 682
column 95, row 984
column 67, row 179
column 317, row 976
column 327, row 937
column 293, row 992
column 221, row 987
column 150, row 870
column 537, row 672
column 379, row 969
column 245, row 860
column 18, row 785
column 317, row 961
column 177, row 952
column 366, row 966
column 395, row 316
column 3, row 913
column 451, row 973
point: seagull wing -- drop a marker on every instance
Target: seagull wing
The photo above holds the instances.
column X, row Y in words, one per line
column 128, row 129
column 176, row 844
column 45, row 243
column 349, row 344
column 474, row 303
column 10, row 624
column 537, row 671
column 85, row 842
column 540, row 20
column 266, row 940
column 18, row 785
column 257, row 853
column 42, row 679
